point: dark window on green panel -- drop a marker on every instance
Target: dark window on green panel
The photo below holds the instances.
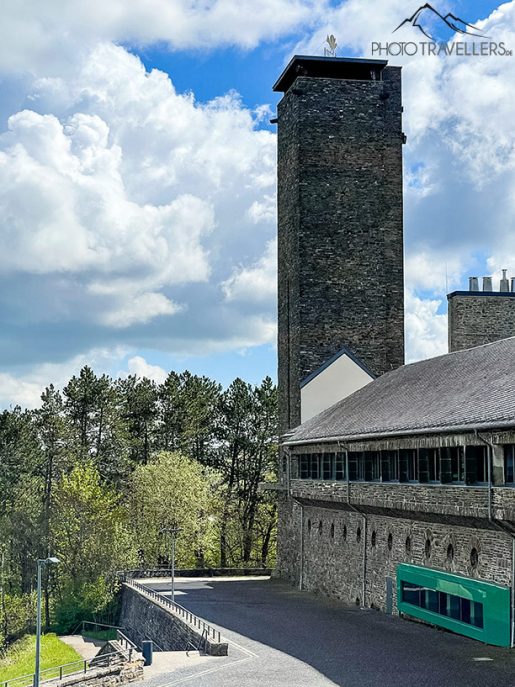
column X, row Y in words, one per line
column 340, row 467
column 327, row 465
column 389, row 466
column 476, row 466
column 449, row 605
column 509, row 464
column 408, row 465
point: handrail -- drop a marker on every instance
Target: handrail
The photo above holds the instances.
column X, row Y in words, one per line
column 91, row 622
column 177, row 608
column 60, row 672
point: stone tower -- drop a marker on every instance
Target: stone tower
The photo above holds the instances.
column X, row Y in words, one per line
column 340, row 219
column 480, row 317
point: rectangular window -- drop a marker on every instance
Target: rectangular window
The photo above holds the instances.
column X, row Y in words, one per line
column 408, row 465
column 456, row 607
column 327, row 465
column 452, row 464
column 340, row 467
column 314, row 466
column 304, row 466
column 476, row 466
column 429, row 465
column 372, row 466
column 355, row 466
column 509, row 464
column 389, row 466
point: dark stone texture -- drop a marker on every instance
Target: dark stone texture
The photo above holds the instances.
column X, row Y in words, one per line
column 340, row 228
column 144, row 618
column 475, row 320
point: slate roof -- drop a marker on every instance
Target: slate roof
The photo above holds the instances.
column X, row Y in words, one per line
column 466, row 390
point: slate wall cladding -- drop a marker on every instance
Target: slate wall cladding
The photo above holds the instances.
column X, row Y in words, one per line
column 340, row 228
column 478, row 319
column 335, row 552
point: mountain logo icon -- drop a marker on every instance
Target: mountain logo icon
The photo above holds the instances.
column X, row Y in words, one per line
column 437, row 27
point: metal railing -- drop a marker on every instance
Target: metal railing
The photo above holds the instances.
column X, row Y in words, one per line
column 182, row 612
column 142, row 573
column 91, row 623
column 69, row 669
column 126, row 643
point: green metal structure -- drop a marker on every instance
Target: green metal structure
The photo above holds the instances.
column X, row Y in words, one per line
column 470, row 607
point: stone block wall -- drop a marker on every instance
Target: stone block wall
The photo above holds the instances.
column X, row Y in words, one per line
column 340, row 228
column 477, row 318
column 342, row 548
column 144, row 618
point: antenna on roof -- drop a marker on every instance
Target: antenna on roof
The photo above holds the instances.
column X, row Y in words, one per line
column 330, row 51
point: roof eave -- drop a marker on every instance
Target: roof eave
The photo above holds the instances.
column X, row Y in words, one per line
column 501, row 424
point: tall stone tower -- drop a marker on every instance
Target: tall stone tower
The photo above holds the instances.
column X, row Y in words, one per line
column 340, row 219
column 480, row 317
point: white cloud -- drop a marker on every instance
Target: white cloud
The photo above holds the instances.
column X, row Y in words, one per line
column 41, row 35
column 426, row 330
column 25, row 388
column 141, row 368
column 257, row 283
column 116, row 192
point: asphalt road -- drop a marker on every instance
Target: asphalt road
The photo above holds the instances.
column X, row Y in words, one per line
column 282, row 637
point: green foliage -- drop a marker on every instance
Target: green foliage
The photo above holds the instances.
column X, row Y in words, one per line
column 98, row 470
column 91, row 538
column 171, row 491
column 19, row 659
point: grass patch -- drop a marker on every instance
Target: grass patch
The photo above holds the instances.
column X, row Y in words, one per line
column 104, row 635
column 20, row 657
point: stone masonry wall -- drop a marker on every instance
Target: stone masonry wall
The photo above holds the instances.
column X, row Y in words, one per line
column 145, row 619
column 475, row 319
column 339, row 545
column 340, row 228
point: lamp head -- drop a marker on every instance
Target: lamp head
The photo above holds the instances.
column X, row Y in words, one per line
column 52, row 560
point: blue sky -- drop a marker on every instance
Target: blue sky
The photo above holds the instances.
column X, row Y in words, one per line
column 137, row 180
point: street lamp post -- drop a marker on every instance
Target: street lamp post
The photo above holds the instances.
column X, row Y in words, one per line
column 173, row 532
column 41, row 562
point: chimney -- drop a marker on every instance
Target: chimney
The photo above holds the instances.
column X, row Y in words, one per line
column 487, row 283
column 505, row 284
column 473, row 284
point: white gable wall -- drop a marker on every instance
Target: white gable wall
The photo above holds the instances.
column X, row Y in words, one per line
column 338, row 380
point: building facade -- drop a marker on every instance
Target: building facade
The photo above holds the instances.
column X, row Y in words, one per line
column 402, row 496
column 340, row 228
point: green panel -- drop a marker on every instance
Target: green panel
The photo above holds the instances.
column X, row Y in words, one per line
column 494, row 598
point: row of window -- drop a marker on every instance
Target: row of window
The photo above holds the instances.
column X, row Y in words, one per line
column 456, row 607
column 445, row 465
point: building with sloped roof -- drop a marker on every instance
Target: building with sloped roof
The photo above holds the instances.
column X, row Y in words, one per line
column 397, row 482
